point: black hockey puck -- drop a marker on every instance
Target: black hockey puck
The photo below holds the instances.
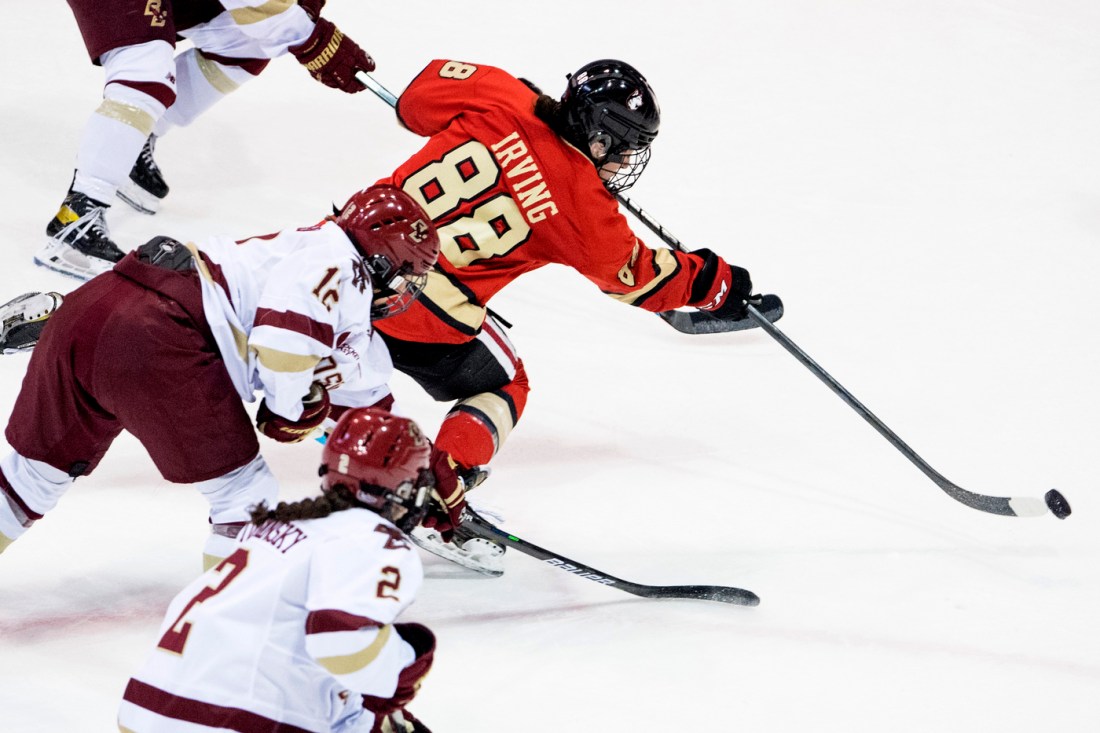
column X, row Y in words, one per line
column 1057, row 504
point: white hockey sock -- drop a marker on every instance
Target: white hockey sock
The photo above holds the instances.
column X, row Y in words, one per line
column 38, row 485
column 115, row 134
column 231, row 498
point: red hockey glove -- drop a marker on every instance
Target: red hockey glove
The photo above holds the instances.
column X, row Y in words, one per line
column 422, row 640
column 449, row 496
column 333, row 58
column 312, row 8
column 315, row 408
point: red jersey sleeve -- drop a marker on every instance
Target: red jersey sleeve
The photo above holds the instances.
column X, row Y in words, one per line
column 445, row 90
column 623, row 267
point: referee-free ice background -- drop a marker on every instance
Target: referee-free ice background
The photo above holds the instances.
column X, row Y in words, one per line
column 918, row 179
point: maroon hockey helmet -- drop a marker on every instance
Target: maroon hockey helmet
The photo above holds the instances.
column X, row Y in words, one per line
column 398, row 242
column 384, row 460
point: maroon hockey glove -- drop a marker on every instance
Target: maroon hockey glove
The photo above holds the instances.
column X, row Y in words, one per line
column 333, row 58
column 422, row 640
column 315, row 408
column 312, row 8
column 449, row 496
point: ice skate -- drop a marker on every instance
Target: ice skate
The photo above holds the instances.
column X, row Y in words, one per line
column 465, row 549
column 146, row 187
column 78, row 242
column 22, row 320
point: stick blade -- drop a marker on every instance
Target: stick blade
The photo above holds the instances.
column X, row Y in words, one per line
column 719, row 593
column 696, row 322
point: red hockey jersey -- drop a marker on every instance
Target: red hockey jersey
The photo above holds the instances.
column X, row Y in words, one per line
column 508, row 196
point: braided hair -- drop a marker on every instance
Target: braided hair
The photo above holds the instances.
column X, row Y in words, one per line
column 337, row 499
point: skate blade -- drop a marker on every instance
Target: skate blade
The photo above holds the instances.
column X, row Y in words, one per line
column 138, row 198
column 63, row 258
column 481, row 562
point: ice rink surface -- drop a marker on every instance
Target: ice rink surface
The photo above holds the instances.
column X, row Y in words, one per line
column 918, row 179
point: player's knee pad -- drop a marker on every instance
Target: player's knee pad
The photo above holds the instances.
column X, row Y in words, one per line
column 232, row 495
column 140, row 85
column 476, row 427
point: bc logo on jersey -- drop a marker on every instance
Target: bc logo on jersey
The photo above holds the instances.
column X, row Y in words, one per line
column 156, row 13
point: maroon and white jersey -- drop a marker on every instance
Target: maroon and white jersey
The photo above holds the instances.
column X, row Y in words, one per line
column 291, row 308
column 285, row 634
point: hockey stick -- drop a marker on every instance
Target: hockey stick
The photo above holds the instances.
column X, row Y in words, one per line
column 481, row 527
column 1006, row 506
column 690, row 322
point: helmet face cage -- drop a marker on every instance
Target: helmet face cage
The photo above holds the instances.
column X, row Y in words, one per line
column 612, row 114
column 621, row 171
column 397, row 241
column 404, row 505
column 395, row 288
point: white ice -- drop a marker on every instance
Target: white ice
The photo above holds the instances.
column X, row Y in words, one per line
column 918, row 179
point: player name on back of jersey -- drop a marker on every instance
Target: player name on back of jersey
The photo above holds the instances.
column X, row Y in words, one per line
column 534, row 196
column 280, row 535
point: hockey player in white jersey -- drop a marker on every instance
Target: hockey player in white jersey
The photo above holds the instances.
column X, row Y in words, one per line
column 149, row 89
column 296, row 630
column 168, row 344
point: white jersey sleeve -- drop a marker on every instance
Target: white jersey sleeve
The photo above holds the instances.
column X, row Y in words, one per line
column 358, row 586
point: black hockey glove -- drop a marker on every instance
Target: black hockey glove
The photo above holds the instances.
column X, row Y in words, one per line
column 738, row 292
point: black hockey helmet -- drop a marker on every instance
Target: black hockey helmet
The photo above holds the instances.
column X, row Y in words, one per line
column 609, row 111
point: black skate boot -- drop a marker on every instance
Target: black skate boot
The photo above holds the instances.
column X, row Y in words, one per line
column 22, row 320
column 78, row 243
column 146, row 187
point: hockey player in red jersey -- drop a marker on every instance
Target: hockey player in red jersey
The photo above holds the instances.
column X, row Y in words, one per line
column 149, row 90
column 297, row 629
column 168, row 344
column 515, row 180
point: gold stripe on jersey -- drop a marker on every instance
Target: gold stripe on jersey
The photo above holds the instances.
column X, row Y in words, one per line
column 209, row 561
column 665, row 265
column 260, row 13
column 127, row 114
column 494, row 407
column 360, row 659
column 124, row 730
column 5, row 542
column 285, row 362
column 452, row 301
column 213, row 72
column 240, row 338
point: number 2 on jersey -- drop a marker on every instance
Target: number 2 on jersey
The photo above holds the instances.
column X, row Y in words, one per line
column 228, row 569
